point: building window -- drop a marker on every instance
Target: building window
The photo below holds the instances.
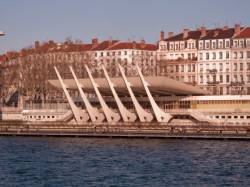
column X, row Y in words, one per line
column 201, row 79
column 227, row 55
column 241, row 43
column 171, row 46
column 177, row 47
column 125, row 52
column 163, row 47
column 189, row 56
column 201, row 67
column 241, row 54
column 221, row 44
column 201, row 56
column 227, row 43
column 177, row 68
column 221, row 78
column 107, row 53
column 235, row 66
column 248, row 54
column 189, row 67
column 241, row 66
column 221, row 93
column 235, row 55
column 201, row 45
column 119, row 53
column 113, row 53
column 207, row 45
column 241, row 78
column 227, row 78
column 207, row 56
column 235, row 43
column 248, row 78
column 208, row 78
column 182, row 46
column 101, row 53
column 248, row 66
column 235, row 78
column 182, row 68
column 193, row 67
column 214, row 55
column 220, row 55
column 214, row 45
column 221, row 67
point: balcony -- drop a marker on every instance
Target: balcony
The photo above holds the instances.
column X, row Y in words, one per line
column 237, row 83
column 212, row 71
column 212, row 83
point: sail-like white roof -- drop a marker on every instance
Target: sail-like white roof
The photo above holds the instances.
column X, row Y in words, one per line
column 158, row 85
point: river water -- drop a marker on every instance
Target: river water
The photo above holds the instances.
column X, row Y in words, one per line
column 43, row 161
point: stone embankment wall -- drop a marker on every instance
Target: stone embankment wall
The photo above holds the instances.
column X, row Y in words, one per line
column 126, row 130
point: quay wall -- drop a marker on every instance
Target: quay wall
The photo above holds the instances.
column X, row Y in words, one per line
column 136, row 130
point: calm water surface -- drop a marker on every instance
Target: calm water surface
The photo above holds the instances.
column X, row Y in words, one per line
column 26, row 161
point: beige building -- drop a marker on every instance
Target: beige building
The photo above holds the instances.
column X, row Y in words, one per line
column 220, row 58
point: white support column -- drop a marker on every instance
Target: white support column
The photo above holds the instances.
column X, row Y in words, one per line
column 127, row 116
column 78, row 114
column 160, row 115
column 111, row 116
column 143, row 115
column 94, row 114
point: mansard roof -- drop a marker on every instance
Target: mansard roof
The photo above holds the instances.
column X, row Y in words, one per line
column 245, row 33
column 191, row 35
column 218, row 33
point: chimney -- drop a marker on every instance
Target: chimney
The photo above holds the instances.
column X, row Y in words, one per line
column 225, row 27
column 109, row 43
column 162, row 36
column 185, row 33
column 203, row 31
column 142, row 43
column 37, row 44
column 51, row 42
column 95, row 41
column 134, row 45
column 23, row 52
column 170, row 34
column 236, row 29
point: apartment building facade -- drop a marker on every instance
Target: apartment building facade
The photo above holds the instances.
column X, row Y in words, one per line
column 220, row 58
column 111, row 52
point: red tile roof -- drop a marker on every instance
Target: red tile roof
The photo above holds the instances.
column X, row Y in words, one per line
column 245, row 33
column 104, row 45
column 133, row 45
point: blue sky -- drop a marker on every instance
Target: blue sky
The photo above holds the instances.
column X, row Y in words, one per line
column 25, row 21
